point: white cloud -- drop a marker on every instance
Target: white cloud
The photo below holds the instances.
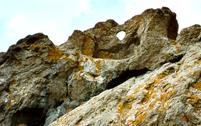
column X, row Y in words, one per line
column 20, row 26
column 55, row 22
column 15, row 26
column 18, row 20
column 84, row 6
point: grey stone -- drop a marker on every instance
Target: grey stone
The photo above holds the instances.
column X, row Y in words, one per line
column 150, row 77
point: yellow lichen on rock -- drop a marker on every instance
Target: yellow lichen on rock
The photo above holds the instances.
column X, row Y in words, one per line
column 164, row 98
column 197, row 85
column 98, row 65
column 54, row 54
column 124, row 106
column 88, row 46
column 105, row 55
column 140, row 117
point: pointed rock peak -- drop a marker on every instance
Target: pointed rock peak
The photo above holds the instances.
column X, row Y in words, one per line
column 33, row 39
column 107, row 24
column 28, row 46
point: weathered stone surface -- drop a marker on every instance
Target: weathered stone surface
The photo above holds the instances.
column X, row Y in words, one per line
column 189, row 36
column 39, row 82
column 149, row 42
column 170, row 95
column 141, row 33
column 1, row 56
column 32, row 77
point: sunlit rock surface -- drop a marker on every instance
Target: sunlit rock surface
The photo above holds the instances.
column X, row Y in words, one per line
column 150, row 76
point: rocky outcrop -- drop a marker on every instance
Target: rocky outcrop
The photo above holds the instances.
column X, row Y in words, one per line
column 141, row 31
column 169, row 95
column 159, row 99
column 148, row 43
column 32, row 79
column 150, row 77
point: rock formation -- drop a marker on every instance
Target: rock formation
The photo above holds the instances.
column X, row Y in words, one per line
column 150, row 77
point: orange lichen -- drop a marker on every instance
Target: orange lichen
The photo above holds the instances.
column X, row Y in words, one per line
column 140, row 117
column 151, row 105
column 98, row 66
column 66, row 58
column 187, row 118
column 105, row 55
column 149, row 87
column 120, row 107
column 192, row 99
column 150, row 90
column 130, row 97
column 123, row 107
column 150, row 94
column 157, row 80
column 166, row 87
column 160, row 76
column 35, row 46
column 197, row 85
column 54, row 54
column 88, row 46
column 164, row 97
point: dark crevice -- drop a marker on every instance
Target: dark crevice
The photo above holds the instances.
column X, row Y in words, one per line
column 125, row 76
column 134, row 38
column 29, row 117
column 58, row 103
column 172, row 30
column 176, row 59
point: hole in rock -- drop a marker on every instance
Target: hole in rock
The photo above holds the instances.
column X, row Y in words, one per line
column 125, row 76
column 176, row 59
column 29, row 117
column 120, row 35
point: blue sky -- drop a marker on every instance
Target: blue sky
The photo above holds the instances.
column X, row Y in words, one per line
column 59, row 18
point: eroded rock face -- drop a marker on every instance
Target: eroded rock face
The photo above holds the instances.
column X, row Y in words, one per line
column 33, row 76
column 141, row 33
column 149, row 42
column 155, row 70
column 170, row 95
